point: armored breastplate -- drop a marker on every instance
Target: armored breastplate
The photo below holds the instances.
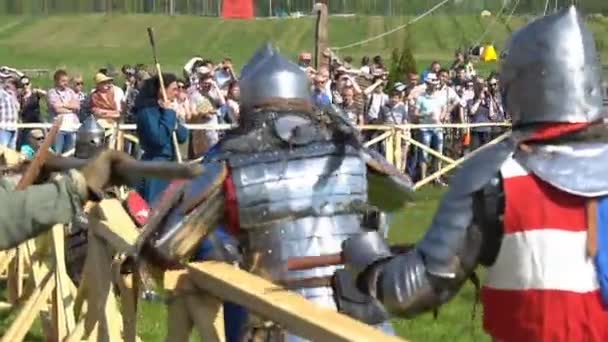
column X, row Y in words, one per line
column 300, row 202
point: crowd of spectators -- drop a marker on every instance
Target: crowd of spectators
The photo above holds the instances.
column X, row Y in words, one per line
column 208, row 93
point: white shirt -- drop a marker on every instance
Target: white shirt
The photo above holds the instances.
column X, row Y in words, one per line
column 375, row 103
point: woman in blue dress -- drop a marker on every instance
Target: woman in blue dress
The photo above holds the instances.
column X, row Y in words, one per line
column 156, row 122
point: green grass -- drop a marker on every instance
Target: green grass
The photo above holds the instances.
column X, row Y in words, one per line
column 84, row 43
column 453, row 324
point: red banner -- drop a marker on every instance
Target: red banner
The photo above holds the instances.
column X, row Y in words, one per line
column 238, row 9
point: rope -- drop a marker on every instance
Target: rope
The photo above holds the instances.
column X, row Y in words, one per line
column 512, row 12
column 365, row 41
column 504, row 5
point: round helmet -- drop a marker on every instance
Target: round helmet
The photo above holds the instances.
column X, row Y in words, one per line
column 89, row 138
column 274, row 79
column 551, row 72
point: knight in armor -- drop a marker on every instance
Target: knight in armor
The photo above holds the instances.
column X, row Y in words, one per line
column 90, row 139
column 531, row 209
column 288, row 182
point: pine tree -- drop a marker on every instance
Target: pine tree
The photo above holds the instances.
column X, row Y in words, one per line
column 402, row 63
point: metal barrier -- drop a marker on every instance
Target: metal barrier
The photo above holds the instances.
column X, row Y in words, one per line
column 391, row 136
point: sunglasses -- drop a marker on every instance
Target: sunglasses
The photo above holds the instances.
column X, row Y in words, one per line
column 493, row 84
column 39, row 139
column 79, row 83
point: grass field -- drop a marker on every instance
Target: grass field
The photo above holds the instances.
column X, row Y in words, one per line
column 454, row 323
column 86, row 42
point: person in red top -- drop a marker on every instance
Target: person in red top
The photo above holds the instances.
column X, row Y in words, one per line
column 529, row 208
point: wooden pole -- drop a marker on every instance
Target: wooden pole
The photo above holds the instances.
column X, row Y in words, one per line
column 321, row 35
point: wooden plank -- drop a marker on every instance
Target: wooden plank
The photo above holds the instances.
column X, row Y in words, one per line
column 30, row 310
column 5, row 259
column 203, row 310
column 128, row 299
column 290, row 310
column 63, row 297
column 102, row 321
column 179, row 323
column 116, row 226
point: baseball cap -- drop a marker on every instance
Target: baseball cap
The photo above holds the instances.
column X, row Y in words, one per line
column 431, row 77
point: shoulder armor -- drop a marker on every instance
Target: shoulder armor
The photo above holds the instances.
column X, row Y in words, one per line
column 478, row 170
column 578, row 168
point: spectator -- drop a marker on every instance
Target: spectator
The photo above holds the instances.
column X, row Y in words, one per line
column 29, row 100
column 224, row 73
column 434, row 68
column 414, row 89
column 320, row 99
column 77, row 85
column 64, row 104
column 428, row 110
column 480, row 110
column 129, row 74
column 365, row 65
column 378, row 65
column 459, row 61
column 343, row 80
column 131, row 95
column 9, row 114
column 348, row 63
column 206, row 101
column 231, row 110
column 182, row 105
column 304, row 61
column 460, row 78
column 350, row 108
column 451, row 99
column 33, row 141
column 105, row 102
column 156, row 123
column 376, row 98
column 496, row 100
column 119, row 93
column 395, row 112
column 468, row 92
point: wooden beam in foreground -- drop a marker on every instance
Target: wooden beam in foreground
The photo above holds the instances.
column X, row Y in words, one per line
column 290, row 310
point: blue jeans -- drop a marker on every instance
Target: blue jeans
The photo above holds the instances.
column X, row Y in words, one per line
column 8, row 138
column 432, row 138
column 64, row 142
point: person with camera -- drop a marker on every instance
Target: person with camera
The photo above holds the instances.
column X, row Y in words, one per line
column 481, row 109
column 206, row 102
column 224, row 73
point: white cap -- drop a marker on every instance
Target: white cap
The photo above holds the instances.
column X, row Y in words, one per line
column 431, row 77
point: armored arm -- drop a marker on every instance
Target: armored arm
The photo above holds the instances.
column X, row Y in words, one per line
column 465, row 232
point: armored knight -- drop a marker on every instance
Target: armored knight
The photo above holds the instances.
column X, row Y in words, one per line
column 89, row 141
column 288, row 182
column 529, row 208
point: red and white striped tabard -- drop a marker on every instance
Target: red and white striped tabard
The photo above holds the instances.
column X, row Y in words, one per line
column 542, row 287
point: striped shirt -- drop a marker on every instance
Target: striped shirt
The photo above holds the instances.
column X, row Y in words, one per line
column 57, row 97
column 542, row 287
column 9, row 110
